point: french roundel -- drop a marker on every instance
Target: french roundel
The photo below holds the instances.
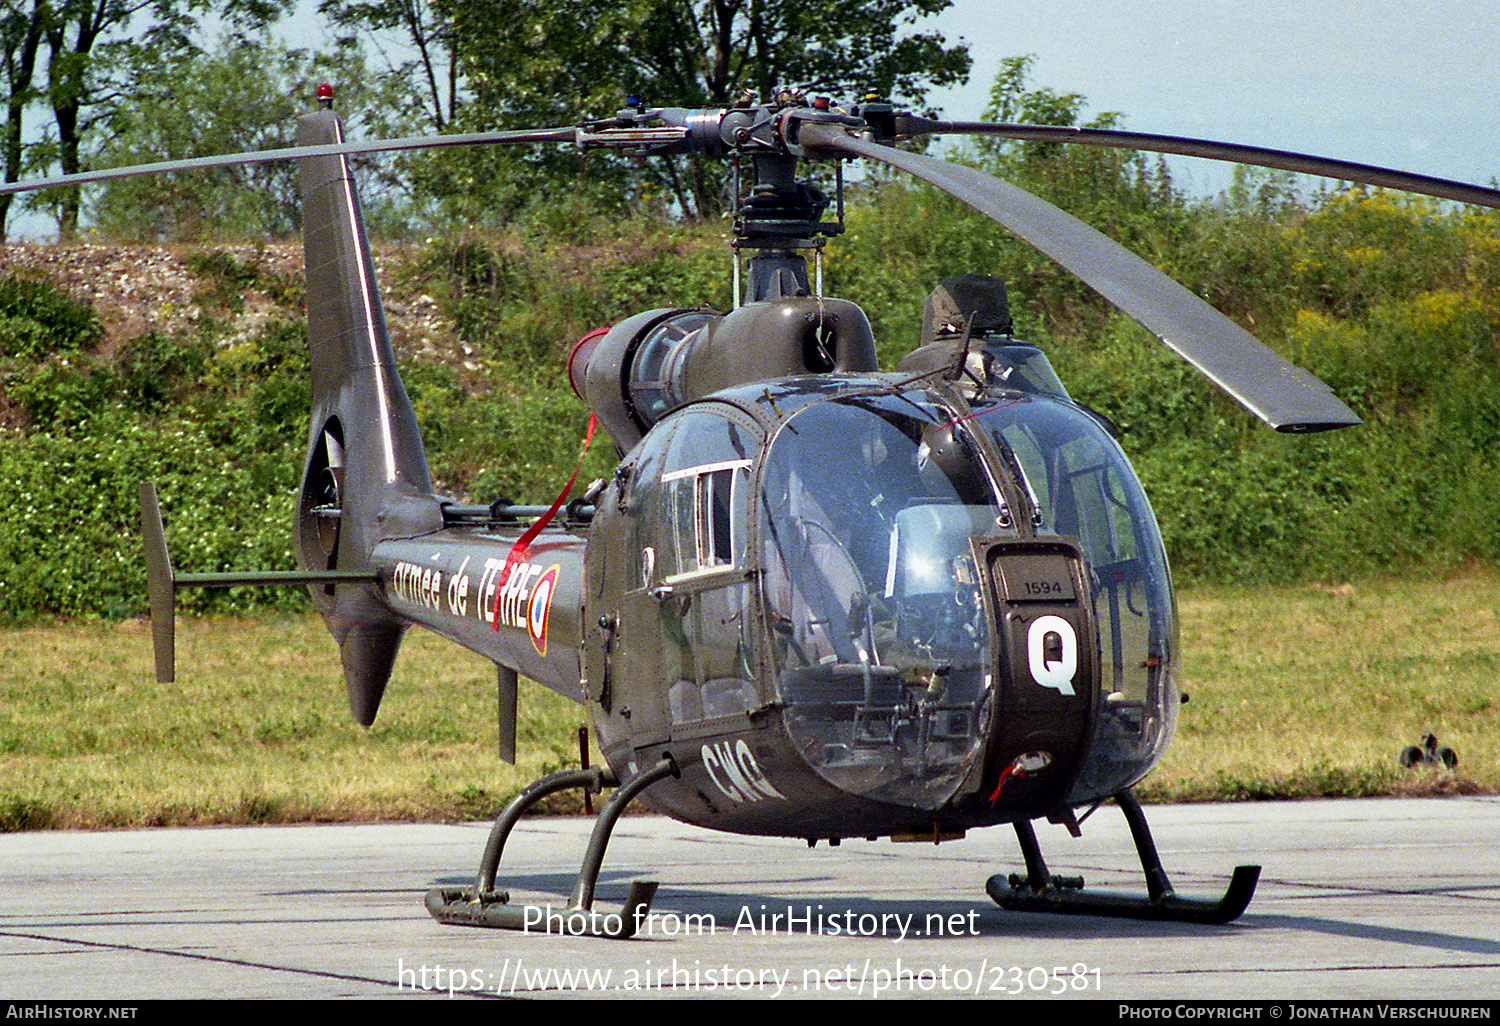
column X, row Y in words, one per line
column 539, row 608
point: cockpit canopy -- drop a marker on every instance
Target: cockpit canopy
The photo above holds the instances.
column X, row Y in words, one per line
column 819, row 544
column 878, row 632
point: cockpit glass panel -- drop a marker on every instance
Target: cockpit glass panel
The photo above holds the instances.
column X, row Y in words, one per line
column 699, row 539
column 1020, row 368
column 1084, row 488
column 873, row 599
column 706, row 477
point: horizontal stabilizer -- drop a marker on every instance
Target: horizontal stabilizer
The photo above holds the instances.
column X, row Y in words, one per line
column 163, row 583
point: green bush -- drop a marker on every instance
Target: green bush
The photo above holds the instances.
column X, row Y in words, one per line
column 38, row 319
column 70, row 518
column 1396, row 305
column 55, row 394
column 153, row 369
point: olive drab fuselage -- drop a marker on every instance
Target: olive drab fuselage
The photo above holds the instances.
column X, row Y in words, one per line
column 865, row 605
column 843, row 603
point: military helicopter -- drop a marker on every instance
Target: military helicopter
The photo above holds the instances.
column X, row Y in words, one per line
column 815, row 600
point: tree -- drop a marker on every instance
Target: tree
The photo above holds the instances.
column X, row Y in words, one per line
column 246, row 94
column 21, row 36
column 1115, row 190
column 578, row 55
column 418, row 44
column 94, row 50
column 527, row 63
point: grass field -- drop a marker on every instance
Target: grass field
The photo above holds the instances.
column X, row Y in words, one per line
column 1315, row 690
column 1295, row 692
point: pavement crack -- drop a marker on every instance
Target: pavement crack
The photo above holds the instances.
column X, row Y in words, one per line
column 394, row 985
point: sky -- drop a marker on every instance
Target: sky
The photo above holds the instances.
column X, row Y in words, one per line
column 1412, row 85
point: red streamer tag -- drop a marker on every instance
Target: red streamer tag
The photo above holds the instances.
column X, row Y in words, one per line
column 520, row 550
column 1006, row 774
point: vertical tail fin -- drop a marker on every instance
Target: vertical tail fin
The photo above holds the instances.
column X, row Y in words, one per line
column 366, row 476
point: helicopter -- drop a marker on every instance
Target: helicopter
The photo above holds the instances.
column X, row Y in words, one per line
column 815, row 600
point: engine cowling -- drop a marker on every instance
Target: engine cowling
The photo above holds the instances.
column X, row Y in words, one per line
column 654, row 362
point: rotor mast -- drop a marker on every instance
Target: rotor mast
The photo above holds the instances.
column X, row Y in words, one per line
column 779, row 220
column 777, row 217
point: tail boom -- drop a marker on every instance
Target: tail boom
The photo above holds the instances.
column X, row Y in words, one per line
column 529, row 619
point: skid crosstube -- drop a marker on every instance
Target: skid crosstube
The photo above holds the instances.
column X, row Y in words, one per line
column 482, row 905
column 1040, row 891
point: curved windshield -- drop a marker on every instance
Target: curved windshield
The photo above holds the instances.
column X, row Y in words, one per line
column 1083, row 487
column 873, row 598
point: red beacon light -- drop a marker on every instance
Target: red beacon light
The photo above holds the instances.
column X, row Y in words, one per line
column 325, row 96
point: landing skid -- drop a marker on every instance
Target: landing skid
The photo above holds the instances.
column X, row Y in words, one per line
column 1040, row 891
column 482, row 905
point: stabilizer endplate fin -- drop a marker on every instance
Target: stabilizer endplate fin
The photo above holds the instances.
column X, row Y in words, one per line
column 159, row 582
column 163, row 582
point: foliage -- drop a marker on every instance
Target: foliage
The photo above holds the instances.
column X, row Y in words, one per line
column 1121, row 193
column 517, row 305
column 95, row 50
column 123, row 92
column 71, row 519
column 21, row 30
column 523, row 58
column 525, row 65
column 38, row 319
column 230, row 278
column 245, row 95
column 215, row 420
column 430, row 75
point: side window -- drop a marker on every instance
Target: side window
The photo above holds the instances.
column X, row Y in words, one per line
column 708, row 506
column 705, row 488
column 720, row 496
column 1105, row 522
column 706, row 484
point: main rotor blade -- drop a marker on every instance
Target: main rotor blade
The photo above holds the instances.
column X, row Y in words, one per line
column 1280, row 393
column 543, row 135
column 1282, row 160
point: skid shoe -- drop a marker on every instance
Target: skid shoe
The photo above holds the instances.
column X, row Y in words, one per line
column 483, row 905
column 1040, row 891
